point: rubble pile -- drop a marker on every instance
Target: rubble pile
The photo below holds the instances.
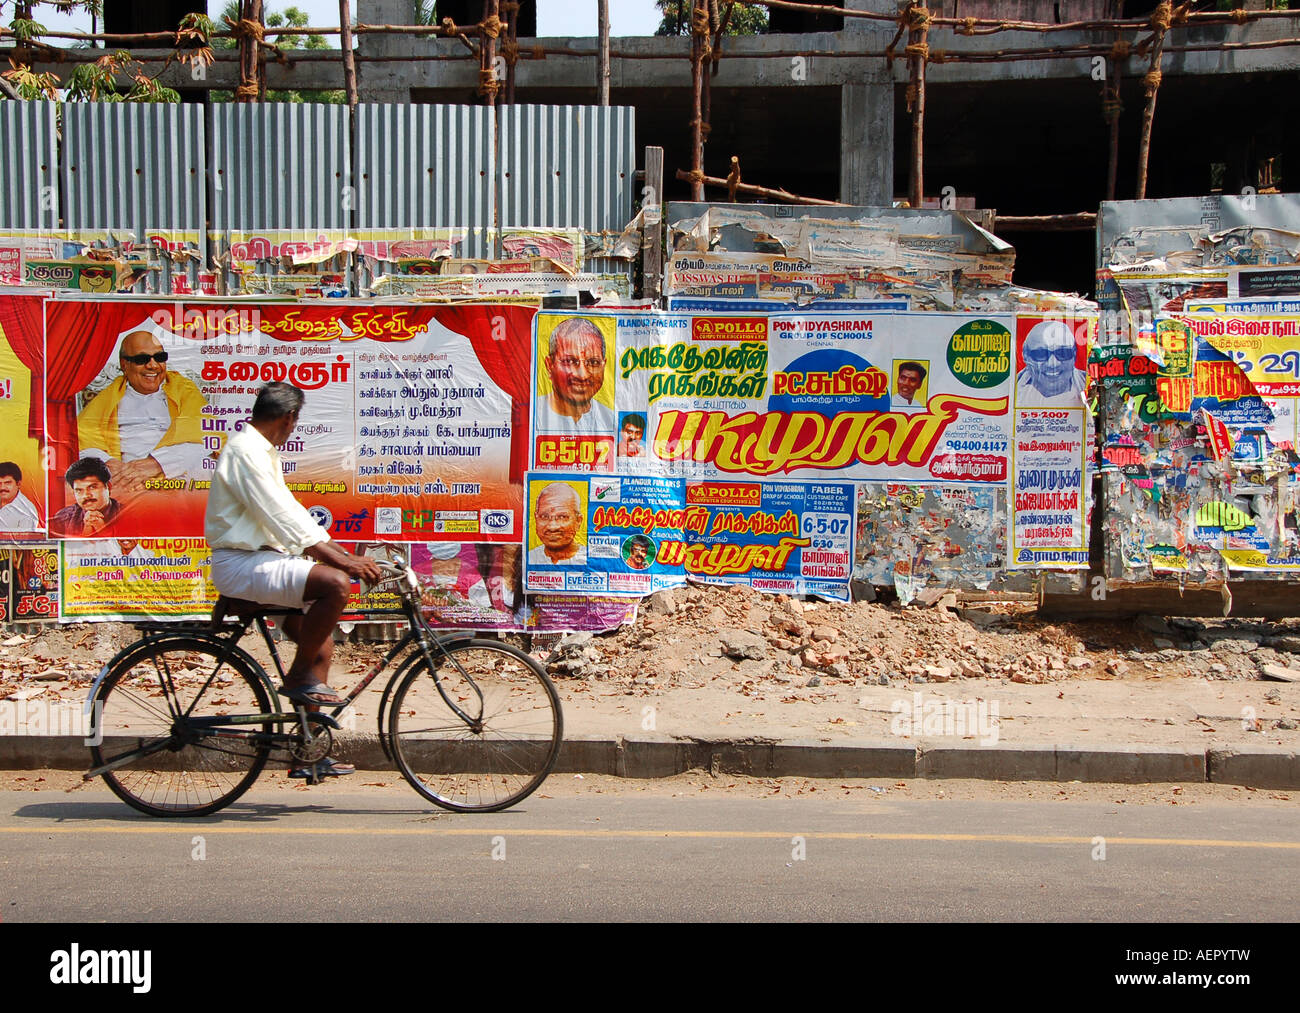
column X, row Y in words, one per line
column 753, row 644
column 696, row 635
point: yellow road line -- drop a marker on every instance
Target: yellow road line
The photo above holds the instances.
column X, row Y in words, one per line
column 196, row 827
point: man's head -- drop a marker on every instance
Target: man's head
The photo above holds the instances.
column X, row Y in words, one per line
column 633, row 428
column 143, row 362
column 275, row 412
column 910, row 377
column 1049, row 352
column 576, row 362
column 126, row 545
column 558, row 513
column 89, row 481
column 638, row 552
column 11, row 477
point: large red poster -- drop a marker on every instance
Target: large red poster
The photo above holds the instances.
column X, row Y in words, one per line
column 414, row 428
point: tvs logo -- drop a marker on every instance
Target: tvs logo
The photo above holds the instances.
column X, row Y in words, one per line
column 498, row 521
column 321, row 516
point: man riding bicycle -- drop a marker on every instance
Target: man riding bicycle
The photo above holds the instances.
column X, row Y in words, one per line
column 266, row 548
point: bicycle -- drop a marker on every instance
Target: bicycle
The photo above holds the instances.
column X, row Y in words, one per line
column 183, row 722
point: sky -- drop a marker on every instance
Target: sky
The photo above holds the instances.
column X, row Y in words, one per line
column 554, row 17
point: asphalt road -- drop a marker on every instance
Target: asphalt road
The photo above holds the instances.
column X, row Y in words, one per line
column 368, row 853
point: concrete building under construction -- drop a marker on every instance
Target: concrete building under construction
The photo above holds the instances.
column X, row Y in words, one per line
column 1044, row 121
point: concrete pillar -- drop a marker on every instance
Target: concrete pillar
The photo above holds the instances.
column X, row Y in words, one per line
column 867, row 113
column 867, row 144
column 383, row 82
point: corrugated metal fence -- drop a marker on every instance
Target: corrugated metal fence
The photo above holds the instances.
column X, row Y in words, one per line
column 28, row 170
column 145, row 168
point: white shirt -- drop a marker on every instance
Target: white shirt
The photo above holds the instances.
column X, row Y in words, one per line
column 143, row 420
column 19, row 514
column 598, row 419
column 249, row 506
column 1027, row 395
column 898, row 403
column 538, row 557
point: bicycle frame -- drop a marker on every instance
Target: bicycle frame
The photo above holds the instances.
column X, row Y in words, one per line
column 418, row 632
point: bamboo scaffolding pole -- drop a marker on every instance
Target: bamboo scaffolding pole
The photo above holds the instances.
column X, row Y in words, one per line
column 295, row 57
column 489, row 29
column 1160, row 21
column 250, row 32
column 784, row 196
column 1112, row 107
column 511, row 46
column 699, row 40
column 962, row 26
column 1082, row 221
column 918, row 52
column 349, row 58
column 602, row 58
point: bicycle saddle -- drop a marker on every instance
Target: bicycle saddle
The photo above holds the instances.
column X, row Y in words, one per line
column 242, row 608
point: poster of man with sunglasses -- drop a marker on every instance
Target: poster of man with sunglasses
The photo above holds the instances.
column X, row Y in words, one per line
column 146, row 423
column 1050, row 356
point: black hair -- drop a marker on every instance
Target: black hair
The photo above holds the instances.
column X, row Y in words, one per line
column 88, row 467
column 634, row 419
column 276, row 400
column 10, row 470
column 915, row 367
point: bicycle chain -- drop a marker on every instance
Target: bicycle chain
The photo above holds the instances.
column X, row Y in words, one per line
column 319, row 747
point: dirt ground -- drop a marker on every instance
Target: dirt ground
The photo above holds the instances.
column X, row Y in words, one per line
column 701, row 785
column 732, row 662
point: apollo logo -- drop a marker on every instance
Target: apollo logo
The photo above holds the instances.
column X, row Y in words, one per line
column 75, row 966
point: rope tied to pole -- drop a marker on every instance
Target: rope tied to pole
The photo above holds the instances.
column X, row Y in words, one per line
column 1239, row 16
column 1120, row 51
column 510, row 50
column 918, row 49
column 539, row 52
column 491, row 26
column 1111, row 108
column 911, row 96
column 967, row 26
column 918, row 18
column 696, row 176
column 1151, row 82
column 448, row 27
column 510, row 6
column 487, row 81
column 247, row 93
column 1162, row 17
column 700, row 20
column 246, row 28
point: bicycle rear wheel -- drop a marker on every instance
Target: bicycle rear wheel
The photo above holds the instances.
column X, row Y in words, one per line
column 504, row 754
column 159, row 723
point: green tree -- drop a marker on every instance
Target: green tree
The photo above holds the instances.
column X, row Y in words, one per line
column 746, row 19
column 290, row 17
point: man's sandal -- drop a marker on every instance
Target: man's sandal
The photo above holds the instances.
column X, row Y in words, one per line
column 317, row 695
column 328, row 767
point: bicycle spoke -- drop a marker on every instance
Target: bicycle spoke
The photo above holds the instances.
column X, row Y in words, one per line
column 517, row 740
column 209, row 770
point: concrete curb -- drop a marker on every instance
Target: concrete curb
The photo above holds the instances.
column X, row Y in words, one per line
column 654, row 756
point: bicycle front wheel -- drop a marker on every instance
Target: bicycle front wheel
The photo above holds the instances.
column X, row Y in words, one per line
column 506, row 748
column 160, row 719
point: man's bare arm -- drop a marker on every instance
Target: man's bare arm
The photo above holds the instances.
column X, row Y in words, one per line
column 356, row 567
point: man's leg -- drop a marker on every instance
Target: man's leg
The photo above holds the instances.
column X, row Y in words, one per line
column 327, row 589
